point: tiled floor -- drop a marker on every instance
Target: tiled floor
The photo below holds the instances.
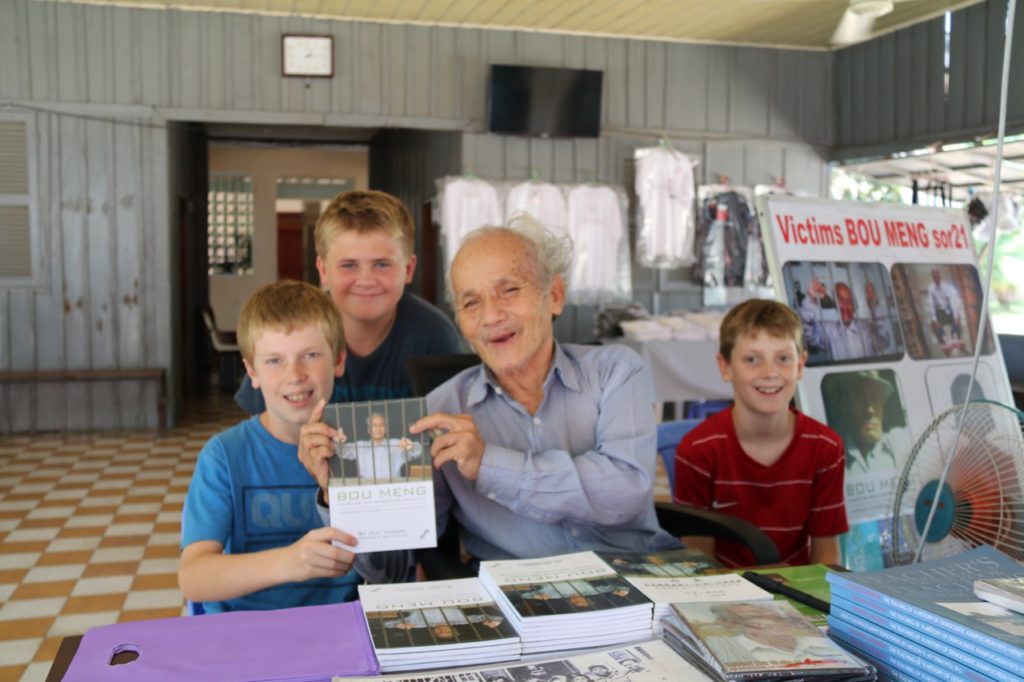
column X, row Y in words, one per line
column 89, row 531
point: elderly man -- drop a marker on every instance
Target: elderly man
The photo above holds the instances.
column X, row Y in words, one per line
column 850, row 338
column 944, row 307
column 546, row 448
column 857, row 411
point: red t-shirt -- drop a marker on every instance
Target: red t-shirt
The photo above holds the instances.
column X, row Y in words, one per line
column 798, row 497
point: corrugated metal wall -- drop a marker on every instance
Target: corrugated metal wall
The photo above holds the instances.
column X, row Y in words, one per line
column 104, row 218
column 890, row 93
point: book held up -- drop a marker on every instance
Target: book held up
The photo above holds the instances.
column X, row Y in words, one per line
column 381, row 485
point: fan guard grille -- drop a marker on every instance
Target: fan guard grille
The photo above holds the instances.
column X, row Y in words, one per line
column 983, row 498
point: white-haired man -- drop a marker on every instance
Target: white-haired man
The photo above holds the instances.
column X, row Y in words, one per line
column 547, row 448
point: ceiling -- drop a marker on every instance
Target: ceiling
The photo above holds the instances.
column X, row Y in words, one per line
column 963, row 169
column 806, row 24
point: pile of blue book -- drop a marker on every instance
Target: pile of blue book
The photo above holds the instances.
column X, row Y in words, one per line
column 924, row 621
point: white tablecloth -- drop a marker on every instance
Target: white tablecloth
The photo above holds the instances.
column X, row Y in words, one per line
column 682, row 370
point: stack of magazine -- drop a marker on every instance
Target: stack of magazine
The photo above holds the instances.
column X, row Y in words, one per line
column 643, row 662
column 1005, row 592
column 567, row 601
column 738, row 641
column 924, row 621
column 677, row 576
column 436, row 624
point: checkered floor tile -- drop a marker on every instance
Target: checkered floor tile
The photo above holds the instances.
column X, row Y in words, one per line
column 89, row 529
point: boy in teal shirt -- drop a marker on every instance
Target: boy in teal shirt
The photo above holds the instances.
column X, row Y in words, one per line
column 251, row 535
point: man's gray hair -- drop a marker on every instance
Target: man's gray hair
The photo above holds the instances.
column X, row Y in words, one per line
column 550, row 252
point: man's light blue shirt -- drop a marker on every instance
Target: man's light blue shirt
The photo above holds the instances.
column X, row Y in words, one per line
column 578, row 475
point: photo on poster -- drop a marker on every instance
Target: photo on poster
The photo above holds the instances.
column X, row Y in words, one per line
column 866, row 409
column 847, row 310
column 377, row 446
column 947, row 385
column 940, row 307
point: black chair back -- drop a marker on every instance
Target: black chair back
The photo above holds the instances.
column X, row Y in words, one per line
column 427, row 372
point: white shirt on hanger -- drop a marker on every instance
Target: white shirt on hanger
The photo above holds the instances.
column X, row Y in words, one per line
column 541, row 200
column 595, row 225
column 664, row 185
column 466, row 204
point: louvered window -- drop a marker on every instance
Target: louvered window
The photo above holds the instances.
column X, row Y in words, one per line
column 16, row 234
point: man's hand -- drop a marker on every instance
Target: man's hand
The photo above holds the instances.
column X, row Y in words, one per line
column 461, row 443
column 316, row 445
column 313, row 555
column 405, row 444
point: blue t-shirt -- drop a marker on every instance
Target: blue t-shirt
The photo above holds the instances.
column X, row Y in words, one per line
column 249, row 492
column 419, row 329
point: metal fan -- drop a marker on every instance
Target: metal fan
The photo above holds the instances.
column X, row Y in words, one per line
column 982, row 498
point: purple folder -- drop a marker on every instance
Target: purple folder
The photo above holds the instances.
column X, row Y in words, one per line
column 305, row 643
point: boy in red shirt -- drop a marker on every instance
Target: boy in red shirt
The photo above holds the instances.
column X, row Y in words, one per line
column 761, row 460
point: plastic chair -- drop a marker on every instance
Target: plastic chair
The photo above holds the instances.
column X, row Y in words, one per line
column 669, row 435
column 702, row 409
column 682, row 520
column 445, row 562
column 225, row 345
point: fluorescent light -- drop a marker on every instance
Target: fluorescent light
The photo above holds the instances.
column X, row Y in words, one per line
column 871, row 8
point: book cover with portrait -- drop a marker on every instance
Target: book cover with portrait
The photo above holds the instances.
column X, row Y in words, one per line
column 381, row 486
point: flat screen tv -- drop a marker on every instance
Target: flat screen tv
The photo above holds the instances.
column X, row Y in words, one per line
column 543, row 101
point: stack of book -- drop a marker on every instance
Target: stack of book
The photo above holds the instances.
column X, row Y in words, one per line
column 737, row 641
column 651, row 661
column 924, row 621
column 567, row 601
column 1005, row 592
column 677, row 576
column 436, row 624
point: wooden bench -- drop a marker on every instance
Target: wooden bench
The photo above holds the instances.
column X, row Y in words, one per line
column 114, row 374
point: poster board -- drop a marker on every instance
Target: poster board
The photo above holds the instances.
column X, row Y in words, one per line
column 890, row 299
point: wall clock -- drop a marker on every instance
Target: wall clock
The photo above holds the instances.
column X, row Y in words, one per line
column 307, row 56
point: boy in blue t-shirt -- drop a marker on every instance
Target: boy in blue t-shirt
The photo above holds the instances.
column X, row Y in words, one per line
column 365, row 258
column 251, row 535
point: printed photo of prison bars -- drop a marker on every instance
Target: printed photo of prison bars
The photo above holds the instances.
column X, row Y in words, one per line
column 377, row 446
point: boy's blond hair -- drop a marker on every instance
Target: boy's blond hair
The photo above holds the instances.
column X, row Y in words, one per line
column 286, row 306
column 364, row 211
column 759, row 314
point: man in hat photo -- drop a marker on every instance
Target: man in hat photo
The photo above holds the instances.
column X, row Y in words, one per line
column 855, row 403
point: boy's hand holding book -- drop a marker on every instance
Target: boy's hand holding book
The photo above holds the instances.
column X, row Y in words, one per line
column 314, row 556
column 316, row 445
